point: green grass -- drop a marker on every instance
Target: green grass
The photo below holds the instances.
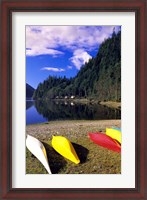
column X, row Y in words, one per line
column 94, row 159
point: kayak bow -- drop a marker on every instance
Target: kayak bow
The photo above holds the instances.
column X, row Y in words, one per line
column 105, row 141
column 113, row 133
column 38, row 150
column 64, row 147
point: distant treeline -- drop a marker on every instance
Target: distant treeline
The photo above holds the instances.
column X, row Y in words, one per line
column 99, row 78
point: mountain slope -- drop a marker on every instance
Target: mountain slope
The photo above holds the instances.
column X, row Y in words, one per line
column 99, row 78
column 29, row 91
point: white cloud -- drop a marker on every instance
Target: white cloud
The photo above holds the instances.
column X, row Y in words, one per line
column 47, row 39
column 69, row 67
column 79, row 58
column 36, row 51
column 54, row 69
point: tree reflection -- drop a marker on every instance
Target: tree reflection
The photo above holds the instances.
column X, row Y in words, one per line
column 29, row 104
column 56, row 110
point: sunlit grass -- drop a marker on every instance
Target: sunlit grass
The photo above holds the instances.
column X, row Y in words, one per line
column 94, row 159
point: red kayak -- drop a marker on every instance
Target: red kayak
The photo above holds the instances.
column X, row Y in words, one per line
column 105, row 141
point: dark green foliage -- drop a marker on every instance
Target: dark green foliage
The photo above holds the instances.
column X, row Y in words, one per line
column 99, row 78
column 57, row 109
column 52, row 87
column 29, row 91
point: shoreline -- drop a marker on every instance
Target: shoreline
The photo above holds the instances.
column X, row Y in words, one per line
column 59, row 126
column 84, row 101
column 111, row 104
column 94, row 159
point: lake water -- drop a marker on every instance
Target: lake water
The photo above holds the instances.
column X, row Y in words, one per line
column 44, row 111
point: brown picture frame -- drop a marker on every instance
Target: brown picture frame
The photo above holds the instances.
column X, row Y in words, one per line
column 140, row 9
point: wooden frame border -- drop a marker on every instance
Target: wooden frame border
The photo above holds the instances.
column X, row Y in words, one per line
column 9, row 6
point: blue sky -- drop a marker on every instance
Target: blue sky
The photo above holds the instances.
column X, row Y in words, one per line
column 61, row 50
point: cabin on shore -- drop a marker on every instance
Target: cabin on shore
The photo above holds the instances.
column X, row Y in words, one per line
column 72, row 97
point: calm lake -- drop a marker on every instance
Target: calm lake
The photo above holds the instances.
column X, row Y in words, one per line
column 43, row 111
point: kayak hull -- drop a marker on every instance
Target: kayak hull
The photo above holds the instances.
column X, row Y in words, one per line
column 38, row 150
column 113, row 133
column 64, row 147
column 105, row 141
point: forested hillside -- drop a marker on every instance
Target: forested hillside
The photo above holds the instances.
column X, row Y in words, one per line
column 99, row 78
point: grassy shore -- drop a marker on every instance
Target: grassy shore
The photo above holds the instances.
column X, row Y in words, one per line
column 94, row 159
column 111, row 104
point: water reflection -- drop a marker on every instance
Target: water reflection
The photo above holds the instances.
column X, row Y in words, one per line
column 29, row 104
column 52, row 110
column 32, row 116
column 41, row 111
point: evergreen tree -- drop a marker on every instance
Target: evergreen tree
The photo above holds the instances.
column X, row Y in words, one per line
column 99, row 78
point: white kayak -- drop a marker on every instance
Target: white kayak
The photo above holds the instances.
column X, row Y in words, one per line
column 38, row 150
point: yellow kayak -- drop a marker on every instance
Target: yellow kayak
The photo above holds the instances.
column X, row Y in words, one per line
column 113, row 133
column 64, row 147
